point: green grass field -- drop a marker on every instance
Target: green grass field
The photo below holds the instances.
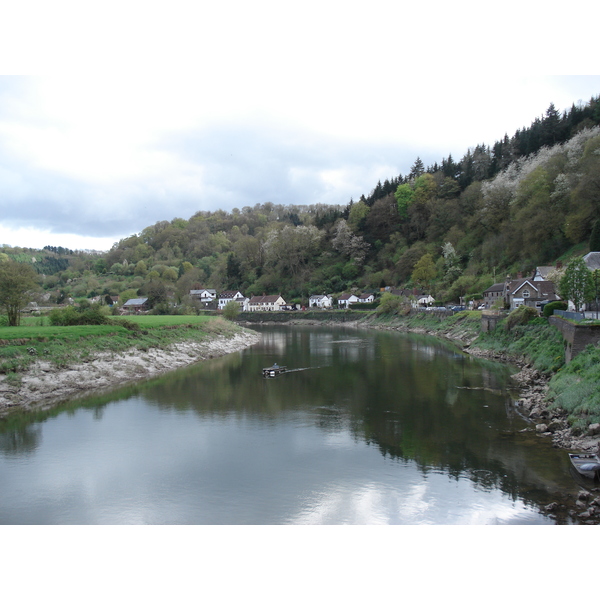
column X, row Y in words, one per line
column 34, row 338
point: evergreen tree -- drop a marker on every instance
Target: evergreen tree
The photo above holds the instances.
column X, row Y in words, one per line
column 417, row 169
column 550, row 128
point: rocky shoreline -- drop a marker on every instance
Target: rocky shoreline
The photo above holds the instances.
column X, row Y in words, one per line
column 44, row 385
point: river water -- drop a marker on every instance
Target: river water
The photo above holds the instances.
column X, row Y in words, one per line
column 365, row 428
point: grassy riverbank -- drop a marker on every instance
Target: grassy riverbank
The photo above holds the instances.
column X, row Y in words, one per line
column 43, row 366
column 62, row 346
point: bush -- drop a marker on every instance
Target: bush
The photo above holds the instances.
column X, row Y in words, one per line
column 552, row 306
column 389, row 304
column 129, row 325
column 71, row 316
column 231, row 310
column 521, row 316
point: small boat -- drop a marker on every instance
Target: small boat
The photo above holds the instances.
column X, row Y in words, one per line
column 273, row 371
column 587, row 465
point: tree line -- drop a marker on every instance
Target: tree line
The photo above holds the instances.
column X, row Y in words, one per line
column 452, row 229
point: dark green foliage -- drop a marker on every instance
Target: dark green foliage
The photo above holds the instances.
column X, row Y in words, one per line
column 364, row 306
column 552, row 306
column 71, row 316
column 595, row 237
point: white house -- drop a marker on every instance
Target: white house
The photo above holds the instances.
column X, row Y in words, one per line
column 237, row 296
column 424, row 300
column 204, row 296
column 366, row 298
column 345, row 300
column 271, row 303
column 320, row 301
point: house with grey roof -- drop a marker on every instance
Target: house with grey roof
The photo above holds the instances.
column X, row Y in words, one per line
column 136, row 305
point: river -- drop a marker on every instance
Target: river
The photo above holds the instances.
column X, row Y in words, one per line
column 364, row 428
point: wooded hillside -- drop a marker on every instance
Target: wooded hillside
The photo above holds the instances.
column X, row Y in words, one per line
column 452, row 228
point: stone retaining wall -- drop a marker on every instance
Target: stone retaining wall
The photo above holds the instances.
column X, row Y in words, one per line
column 577, row 336
column 490, row 320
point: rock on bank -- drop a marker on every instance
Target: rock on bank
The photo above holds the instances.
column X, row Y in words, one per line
column 45, row 385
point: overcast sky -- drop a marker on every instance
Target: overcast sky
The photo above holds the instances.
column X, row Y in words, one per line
column 115, row 118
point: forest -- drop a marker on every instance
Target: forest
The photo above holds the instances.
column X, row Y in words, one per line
column 451, row 229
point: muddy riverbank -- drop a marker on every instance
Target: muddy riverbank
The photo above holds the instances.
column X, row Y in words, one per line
column 44, row 385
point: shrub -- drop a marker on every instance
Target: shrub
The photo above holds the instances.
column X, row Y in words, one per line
column 552, row 306
column 521, row 316
column 71, row 316
column 231, row 310
column 389, row 304
column 129, row 325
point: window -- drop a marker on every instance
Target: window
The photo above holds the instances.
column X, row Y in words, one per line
column 526, row 294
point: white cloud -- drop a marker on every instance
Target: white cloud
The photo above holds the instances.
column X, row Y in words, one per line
column 146, row 112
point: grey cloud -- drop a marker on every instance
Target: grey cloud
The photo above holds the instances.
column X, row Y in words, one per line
column 242, row 165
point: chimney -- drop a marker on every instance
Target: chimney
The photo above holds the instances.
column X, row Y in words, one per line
column 519, row 275
column 559, row 264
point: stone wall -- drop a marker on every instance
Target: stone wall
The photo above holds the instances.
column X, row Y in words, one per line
column 490, row 320
column 577, row 336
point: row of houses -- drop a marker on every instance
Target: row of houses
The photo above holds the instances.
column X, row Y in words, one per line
column 210, row 298
column 344, row 301
column 534, row 291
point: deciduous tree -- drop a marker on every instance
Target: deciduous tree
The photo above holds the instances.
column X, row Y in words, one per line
column 576, row 284
column 231, row 310
column 424, row 270
column 16, row 280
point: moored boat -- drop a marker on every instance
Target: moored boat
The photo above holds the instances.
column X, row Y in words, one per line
column 587, row 465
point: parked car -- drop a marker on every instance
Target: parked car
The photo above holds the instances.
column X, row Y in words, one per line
column 457, row 308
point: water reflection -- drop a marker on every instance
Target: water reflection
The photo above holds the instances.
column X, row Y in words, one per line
column 371, row 428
